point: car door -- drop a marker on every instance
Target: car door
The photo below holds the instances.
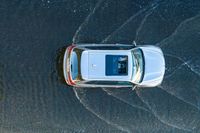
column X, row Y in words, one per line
column 107, row 46
column 112, row 84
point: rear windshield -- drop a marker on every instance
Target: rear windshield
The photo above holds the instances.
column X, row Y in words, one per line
column 74, row 65
column 116, row 65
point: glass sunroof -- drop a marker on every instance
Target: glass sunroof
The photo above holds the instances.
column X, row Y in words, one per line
column 116, row 65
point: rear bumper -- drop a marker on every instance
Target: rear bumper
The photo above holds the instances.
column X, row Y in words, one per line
column 67, row 64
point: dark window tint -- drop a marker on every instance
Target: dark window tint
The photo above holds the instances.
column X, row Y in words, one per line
column 116, row 65
column 109, row 47
column 108, row 83
column 74, row 65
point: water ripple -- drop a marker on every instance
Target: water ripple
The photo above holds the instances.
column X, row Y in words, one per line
column 81, row 96
column 118, row 114
column 169, row 109
column 151, row 27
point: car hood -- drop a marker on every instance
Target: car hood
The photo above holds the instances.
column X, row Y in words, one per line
column 154, row 65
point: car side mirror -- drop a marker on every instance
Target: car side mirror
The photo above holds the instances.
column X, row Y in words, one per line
column 134, row 43
column 134, row 86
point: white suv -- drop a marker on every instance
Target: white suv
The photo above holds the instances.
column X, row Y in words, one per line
column 113, row 65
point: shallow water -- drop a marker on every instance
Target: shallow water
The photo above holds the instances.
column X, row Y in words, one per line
column 34, row 97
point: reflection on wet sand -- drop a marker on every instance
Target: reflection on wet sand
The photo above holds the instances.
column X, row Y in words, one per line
column 1, row 83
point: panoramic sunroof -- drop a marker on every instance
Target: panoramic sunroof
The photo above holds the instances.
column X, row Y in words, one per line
column 116, row 65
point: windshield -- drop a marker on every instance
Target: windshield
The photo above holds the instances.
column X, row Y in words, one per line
column 74, row 65
column 138, row 65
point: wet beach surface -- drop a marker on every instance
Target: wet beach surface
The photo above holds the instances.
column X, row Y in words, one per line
column 34, row 97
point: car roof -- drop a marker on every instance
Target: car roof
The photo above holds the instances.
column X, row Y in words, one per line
column 93, row 65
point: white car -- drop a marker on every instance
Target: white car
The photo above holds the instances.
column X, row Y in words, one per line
column 113, row 65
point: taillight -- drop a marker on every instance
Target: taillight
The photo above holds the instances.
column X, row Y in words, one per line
column 69, row 78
